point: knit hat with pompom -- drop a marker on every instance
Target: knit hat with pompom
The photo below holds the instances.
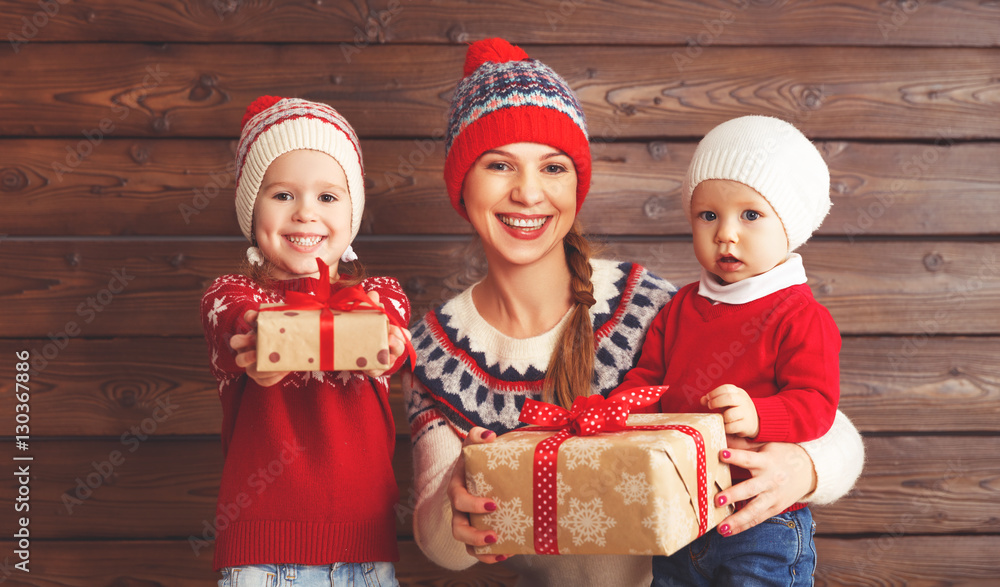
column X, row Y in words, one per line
column 507, row 97
column 273, row 126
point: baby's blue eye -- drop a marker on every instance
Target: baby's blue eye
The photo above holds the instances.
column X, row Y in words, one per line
column 751, row 215
column 707, row 216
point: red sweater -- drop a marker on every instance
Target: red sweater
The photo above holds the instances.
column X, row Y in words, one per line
column 783, row 349
column 308, row 475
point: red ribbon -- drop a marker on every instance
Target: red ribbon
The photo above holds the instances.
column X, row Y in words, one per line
column 327, row 301
column 591, row 415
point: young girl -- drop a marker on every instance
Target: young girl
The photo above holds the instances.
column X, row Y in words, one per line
column 307, row 489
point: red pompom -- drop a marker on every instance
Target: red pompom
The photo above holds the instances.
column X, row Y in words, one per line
column 496, row 50
column 259, row 105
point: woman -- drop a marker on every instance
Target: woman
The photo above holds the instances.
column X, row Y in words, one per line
column 549, row 322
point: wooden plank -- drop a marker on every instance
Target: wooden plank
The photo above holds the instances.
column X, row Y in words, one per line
column 107, row 387
column 915, row 561
column 186, row 187
column 895, row 558
column 167, row 488
column 654, row 22
column 192, row 90
column 101, row 288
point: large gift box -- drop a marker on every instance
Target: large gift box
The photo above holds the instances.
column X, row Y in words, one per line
column 645, row 487
column 327, row 330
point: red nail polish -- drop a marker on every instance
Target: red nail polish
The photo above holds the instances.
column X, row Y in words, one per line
column 501, row 558
column 721, row 500
column 726, row 454
column 724, row 529
column 490, row 539
column 490, row 506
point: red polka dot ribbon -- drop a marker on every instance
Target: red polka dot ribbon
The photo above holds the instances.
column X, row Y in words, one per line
column 591, row 415
column 327, row 301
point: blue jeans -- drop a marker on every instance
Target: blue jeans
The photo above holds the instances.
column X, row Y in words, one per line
column 379, row 574
column 777, row 552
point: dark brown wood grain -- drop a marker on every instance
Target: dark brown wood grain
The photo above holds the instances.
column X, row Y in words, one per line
column 107, row 387
column 186, row 187
column 649, row 22
column 167, row 488
column 902, row 559
column 193, row 90
column 911, row 288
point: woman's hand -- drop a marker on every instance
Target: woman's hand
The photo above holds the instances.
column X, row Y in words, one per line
column 782, row 474
column 245, row 346
column 397, row 340
column 464, row 503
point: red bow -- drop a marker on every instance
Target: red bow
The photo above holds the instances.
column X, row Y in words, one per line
column 346, row 299
column 588, row 416
column 592, row 414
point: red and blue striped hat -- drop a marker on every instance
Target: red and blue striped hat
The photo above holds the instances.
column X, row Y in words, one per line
column 507, row 97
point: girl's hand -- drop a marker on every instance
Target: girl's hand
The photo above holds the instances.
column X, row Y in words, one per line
column 245, row 346
column 397, row 340
column 782, row 472
column 738, row 410
column 464, row 503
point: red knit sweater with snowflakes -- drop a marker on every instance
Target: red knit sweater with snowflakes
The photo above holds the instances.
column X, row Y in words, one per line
column 308, row 475
column 783, row 349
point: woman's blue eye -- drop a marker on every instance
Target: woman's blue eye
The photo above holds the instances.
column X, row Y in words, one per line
column 707, row 216
column 751, row 215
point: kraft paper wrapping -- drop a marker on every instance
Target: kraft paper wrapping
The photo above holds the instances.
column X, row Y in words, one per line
column 290, row 341
column 631, row 492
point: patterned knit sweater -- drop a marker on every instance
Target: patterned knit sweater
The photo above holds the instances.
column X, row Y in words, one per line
column 469, row 374
column 308, row 472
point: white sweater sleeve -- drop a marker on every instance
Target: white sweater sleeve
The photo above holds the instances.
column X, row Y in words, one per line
column 435, row 451
column 838, row 457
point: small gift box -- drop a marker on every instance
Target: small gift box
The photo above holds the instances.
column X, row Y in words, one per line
column 329, row 330
column 598, row 481
column 308, row 340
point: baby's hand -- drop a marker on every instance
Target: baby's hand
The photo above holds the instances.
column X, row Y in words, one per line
column 397, row 340
column 245, row 346
column 738, row 411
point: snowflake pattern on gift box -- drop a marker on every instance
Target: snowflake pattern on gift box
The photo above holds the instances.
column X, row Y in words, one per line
column 669, row 516
column 562, row 488
column 633, row 488
column 478, row 485
column 507, row 454
column 584, row 452
column 509, row 521
column 586, row 521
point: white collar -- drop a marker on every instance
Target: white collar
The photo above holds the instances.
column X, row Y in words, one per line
column 787, row 274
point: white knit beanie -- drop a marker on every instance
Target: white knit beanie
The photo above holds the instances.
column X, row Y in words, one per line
column 273, row 126
column 775, row 159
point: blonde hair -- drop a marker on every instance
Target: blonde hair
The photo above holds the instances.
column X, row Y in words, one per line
column 571, row 367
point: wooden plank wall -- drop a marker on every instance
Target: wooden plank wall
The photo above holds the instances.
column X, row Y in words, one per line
column 117, row 128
